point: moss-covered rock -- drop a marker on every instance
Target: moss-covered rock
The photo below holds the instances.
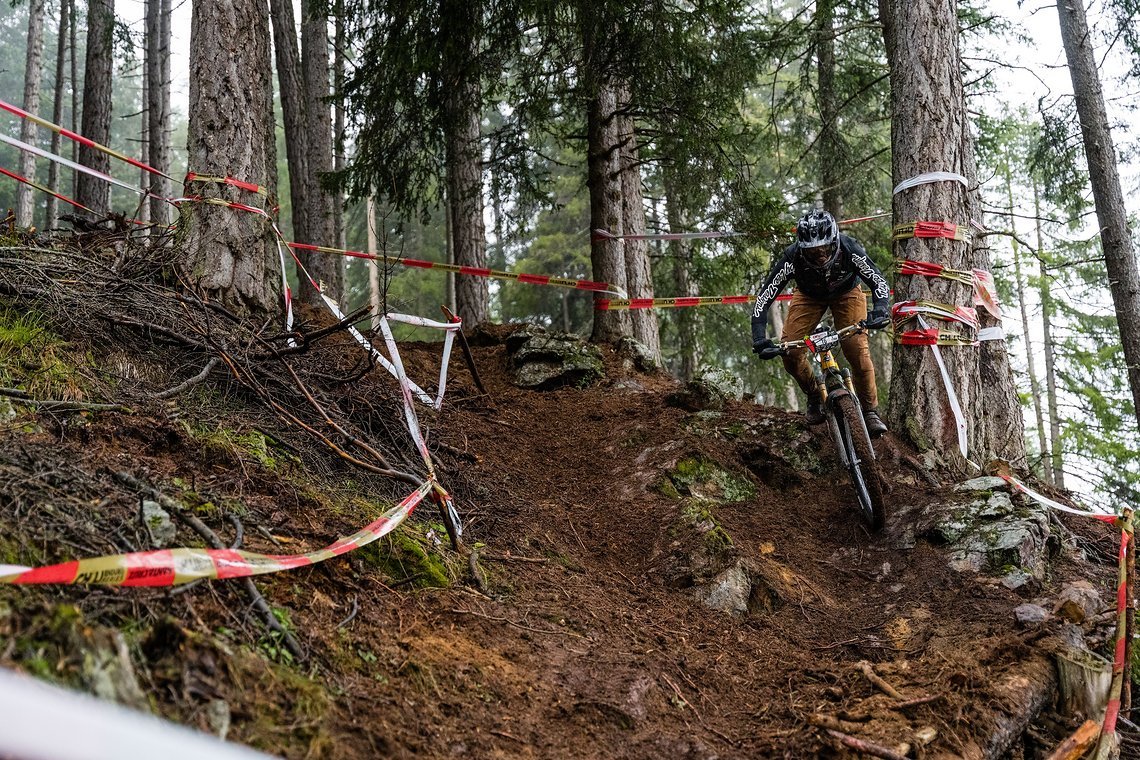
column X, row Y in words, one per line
column 407, row 557
column 700, row 477
column 545, row 361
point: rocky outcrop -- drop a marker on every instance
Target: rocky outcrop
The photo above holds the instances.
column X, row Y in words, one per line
column 544, row 361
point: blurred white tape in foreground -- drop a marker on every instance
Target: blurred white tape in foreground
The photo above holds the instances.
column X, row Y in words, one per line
column 45, row 722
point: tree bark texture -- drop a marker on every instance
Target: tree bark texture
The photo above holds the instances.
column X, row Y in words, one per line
column 230, row 254
column 287, row 56
column 1115, row 237
column 66, row 18
column 832, row 169
column 33, row 74
column 326, row 269
column 638, row 272
column 92, row 192
column 462, row 103
column 1031, row 364
column 929, row 132
column 1056, row 469
column 375, row 297
column 680, row 252
column 607, row 256
column 158, row 104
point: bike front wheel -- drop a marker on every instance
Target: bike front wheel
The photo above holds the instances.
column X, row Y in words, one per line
column 861, row 462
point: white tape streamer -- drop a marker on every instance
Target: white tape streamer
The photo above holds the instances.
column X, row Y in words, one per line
column 45, row 722
column 923, row 179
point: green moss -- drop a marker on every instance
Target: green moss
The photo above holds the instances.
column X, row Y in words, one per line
column 407, row 558
column 697, row 514
column 233, row 445
column 701, row 477
column 666, row 487
column 290, row 710
column 30, row 357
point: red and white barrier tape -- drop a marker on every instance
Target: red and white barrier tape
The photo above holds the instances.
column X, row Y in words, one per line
column 928, row 177
column 79, row 138
column 43, row 189
column 952, row 395
column 495, row 274
column 930, row 230
column 68, row 163
column 906, row 310
column 173, row 567
column 600, row 234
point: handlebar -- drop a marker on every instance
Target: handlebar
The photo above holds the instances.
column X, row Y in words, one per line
column 822, row 340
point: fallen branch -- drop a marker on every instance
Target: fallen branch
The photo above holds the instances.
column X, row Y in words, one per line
column 512, row 558
column 916, row 702
column 866, row 747
column 256, row 599
column 189, row 382
column 830, row 722
column 879, row 683
column 53, row 405
column 1077, row 743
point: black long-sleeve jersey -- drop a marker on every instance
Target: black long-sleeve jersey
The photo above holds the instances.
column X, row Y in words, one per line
column 852, row 265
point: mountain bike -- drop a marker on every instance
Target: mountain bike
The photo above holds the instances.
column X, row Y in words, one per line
column 844, row 415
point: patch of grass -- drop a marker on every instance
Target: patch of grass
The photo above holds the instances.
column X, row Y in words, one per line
column 31, row 357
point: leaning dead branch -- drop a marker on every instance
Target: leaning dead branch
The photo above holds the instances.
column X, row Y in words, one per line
column 257, row 601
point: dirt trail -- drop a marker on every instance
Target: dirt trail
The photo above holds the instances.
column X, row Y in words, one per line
column 586, row 637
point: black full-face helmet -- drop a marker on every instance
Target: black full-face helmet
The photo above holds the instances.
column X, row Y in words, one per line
column 818, row 238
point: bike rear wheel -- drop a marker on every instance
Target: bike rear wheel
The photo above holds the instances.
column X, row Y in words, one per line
column 861, row 462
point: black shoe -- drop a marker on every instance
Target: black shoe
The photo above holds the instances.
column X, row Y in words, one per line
column 814, row 411
column 875, row 425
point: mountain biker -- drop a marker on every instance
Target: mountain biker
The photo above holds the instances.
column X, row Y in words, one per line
column 827, row 267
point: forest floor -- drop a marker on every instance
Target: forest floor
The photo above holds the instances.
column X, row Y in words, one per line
column 575, row 630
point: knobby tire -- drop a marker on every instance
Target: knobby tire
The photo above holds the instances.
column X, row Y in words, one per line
column 861, row 464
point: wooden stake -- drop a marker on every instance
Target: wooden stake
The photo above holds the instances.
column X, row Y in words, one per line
column 466, row 352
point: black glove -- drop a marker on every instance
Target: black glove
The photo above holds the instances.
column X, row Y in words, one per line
column 877, row 320
column 765, row 349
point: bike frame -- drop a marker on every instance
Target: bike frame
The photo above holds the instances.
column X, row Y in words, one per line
column 833, row 381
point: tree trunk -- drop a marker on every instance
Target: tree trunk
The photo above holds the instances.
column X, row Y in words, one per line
column 1057, row 468
column 638, row 272
column 1031, row 365
column 607, row 256
column 229, row 253
column 65, row 21
column 1115, row 237
column 374, row 295
column 73, row 37
column 33, row 73
column 92, row 192
column 338, row 122
column 158, row 104
column 680, row 252
column 831, row 165
column 326, row 269
column 144, row 132
column 288, row 60
column 463, row 99
column 929, row 132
